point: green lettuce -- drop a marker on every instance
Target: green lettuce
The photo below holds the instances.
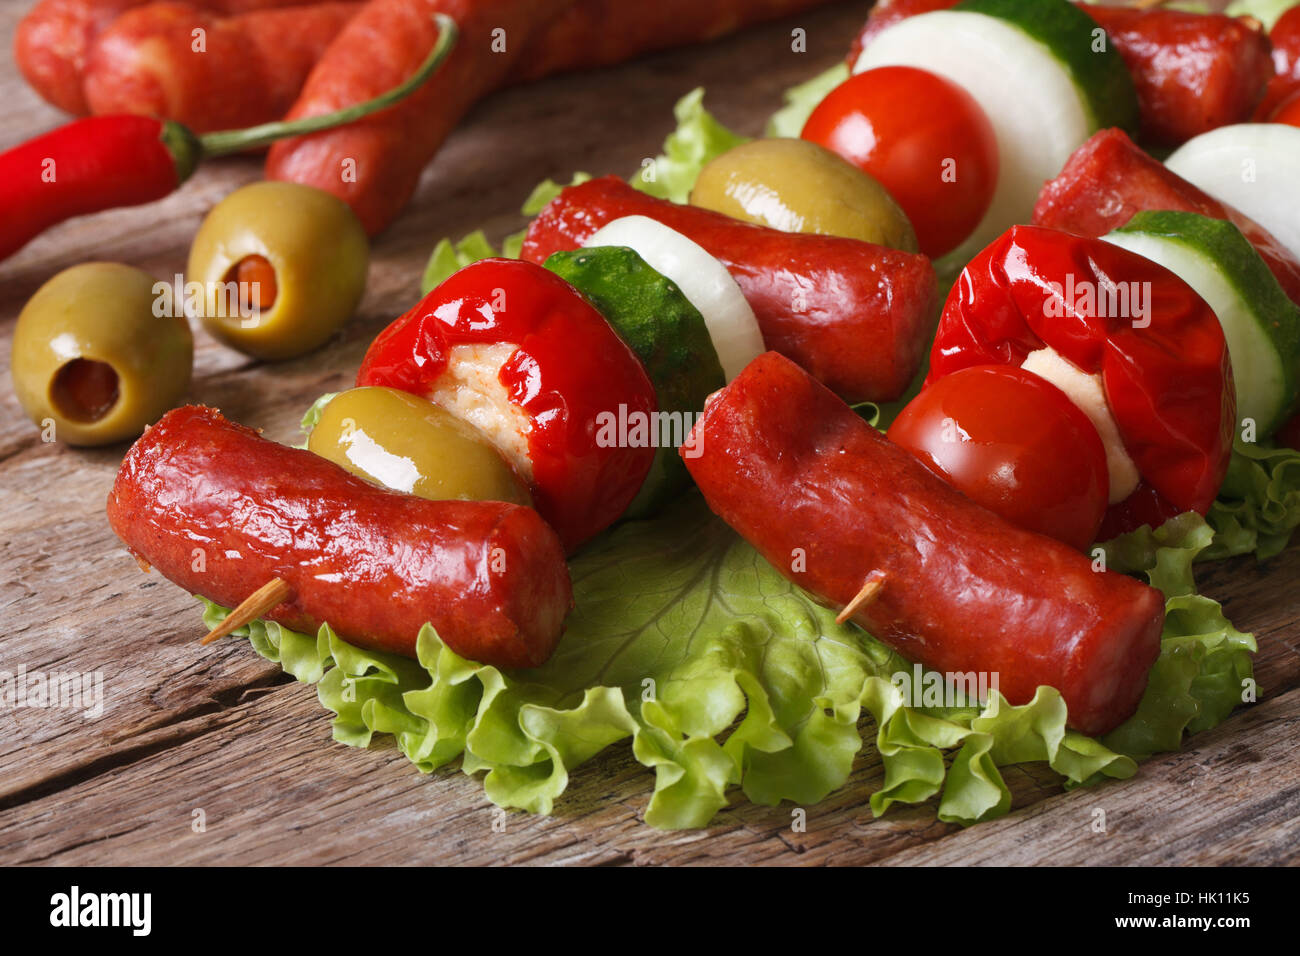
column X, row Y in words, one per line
column 698, row 138
column 723, row 674
column 1258, row 506
column 1204, row 669
column 801, row 100
column 450, row 257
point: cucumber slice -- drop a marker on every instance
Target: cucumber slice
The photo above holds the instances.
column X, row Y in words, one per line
column 1252, row 166
column 670, row 338
column 1261, row 325
column 703, row 279
column 1036, row 68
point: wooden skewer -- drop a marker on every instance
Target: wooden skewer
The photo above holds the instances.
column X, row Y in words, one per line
column 870, row 589
column 1146, row 4
column 273, row 592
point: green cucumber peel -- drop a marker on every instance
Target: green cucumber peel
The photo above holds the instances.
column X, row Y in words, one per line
column 1262, row 324
column 1072, row 37
column 668, row 335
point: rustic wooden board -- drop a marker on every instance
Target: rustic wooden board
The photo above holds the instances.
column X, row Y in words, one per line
column 220, row 730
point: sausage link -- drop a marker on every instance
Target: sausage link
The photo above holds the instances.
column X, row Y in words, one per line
column 828, row 500
column 1109, row 178
column 1192, row 72
column 53, row 41
column 250, row 70
column 374, row 165
column 856, row 315
column 220, row 511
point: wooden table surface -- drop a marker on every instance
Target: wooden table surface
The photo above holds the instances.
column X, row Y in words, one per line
column 217, row 729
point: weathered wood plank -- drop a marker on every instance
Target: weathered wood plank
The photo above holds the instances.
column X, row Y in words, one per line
column 317, row 802
column 1232, row 799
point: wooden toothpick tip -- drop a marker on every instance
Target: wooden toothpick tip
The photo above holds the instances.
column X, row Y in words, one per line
column 871, row 586
column 273, row 592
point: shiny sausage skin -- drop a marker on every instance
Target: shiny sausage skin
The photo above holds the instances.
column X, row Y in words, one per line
column 1109, row 178
column 814, row 487
column 374, row 165
column 53, row 41
column 220, row 511
column 856, row 315
column 251, row 70
column 1193, row 72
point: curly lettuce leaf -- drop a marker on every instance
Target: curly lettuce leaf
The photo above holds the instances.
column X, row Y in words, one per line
column 312, row 416
column 724, row 674
column 801, row 100
column 450, row 257
column 698, row 138
column 1204, row 663
column 1258, row 507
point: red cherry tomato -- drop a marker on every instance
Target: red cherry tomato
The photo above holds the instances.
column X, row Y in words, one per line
column 1013, row 442
column 924, row 138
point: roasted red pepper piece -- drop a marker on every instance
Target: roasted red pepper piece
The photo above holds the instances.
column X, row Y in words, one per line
column 569, row 367
column 1109, row 178
column 854, row 314
column 1168, row 384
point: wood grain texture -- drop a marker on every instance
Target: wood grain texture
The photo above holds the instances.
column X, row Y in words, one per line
column 218, row 729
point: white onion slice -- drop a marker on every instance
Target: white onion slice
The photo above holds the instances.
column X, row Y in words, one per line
column 704, row 281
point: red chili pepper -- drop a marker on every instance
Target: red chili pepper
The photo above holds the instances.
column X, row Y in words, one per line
column 103, row 162
column 569, row 373
column 1168, row 383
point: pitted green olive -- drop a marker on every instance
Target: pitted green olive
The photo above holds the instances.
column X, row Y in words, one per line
column 408, row 443
column 96, row 354
column 798, row 186
column 281, row 267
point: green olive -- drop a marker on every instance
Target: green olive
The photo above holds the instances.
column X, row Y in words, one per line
column 402, row 441
column 97, row 353
column 280, row 268
column 797, row 186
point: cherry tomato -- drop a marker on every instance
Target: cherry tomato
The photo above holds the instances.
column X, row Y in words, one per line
column 1014, row 443
column 924, row 138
